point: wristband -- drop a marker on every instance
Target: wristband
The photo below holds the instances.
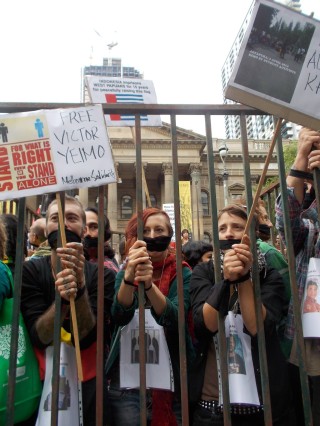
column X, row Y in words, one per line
column 300, row 174
column 130, row 283
column 80, row 292
column 149, row 288
column 240, row 280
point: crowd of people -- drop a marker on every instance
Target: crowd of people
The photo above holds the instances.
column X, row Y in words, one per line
column 71, row 272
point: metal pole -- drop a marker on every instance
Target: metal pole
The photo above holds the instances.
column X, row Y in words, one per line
column 198, row 219
column 225, row 186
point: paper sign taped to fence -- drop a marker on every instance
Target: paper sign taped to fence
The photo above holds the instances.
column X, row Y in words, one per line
column 54, row 150
column 169, row 209
column 310, row 308
column 114, row 90
column 277, row 69
column 159, row 372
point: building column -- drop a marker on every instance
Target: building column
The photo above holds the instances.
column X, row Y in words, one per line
column 196, row 205
column 84, row 197
column 168, row 183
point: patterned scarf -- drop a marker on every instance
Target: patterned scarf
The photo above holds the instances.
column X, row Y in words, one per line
column 262, row 265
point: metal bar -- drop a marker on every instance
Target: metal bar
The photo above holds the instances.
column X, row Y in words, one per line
column 137, row 109
column 16, row 310
column 181, row 312
column 100, row 311
column 294, row 288
column 142, row 340
column 217, row 274
column 57, row 338
column 271, row 216
column 316, row 184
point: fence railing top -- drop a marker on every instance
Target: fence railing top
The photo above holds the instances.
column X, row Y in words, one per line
column 152, row 109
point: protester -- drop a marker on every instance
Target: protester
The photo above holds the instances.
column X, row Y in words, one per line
column 78, row 278
column 275, row 260
column 122, row 251
column 235, row 293
column 8, row 242
column 278, row 243
column 264, row 223
column 11, row 223
column 151, row 261
column 37, row 232
column 184, row 236
column 90, row 241
column 5, row 288
column 305, row 226
column 195, row 252
column 38, row 240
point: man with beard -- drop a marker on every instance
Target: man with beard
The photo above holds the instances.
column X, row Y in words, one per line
column 90, row 241
column 78, row 278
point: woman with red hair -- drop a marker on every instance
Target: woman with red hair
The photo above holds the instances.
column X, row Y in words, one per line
column 153, row 262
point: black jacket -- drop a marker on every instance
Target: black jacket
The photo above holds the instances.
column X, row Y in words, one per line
column 273, row 298
column 38, row 294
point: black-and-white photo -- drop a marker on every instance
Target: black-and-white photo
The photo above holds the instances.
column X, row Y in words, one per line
column 152, row 346
column 275, row 53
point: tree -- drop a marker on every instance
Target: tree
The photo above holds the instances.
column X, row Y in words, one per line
column 289, row 154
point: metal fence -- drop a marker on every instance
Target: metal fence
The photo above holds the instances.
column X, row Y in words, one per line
column 207, row 111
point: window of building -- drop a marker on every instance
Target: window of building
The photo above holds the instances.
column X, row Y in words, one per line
column 206, row 237
column 205, row 202
column 236, row 196
column 126, row 207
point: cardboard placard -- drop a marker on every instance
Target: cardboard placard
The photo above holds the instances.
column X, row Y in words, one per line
column 278, row 66
column 54, row 150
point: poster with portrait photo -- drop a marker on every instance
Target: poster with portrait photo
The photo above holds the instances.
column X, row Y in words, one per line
column 277, row 67
column 310, row 307
column 242, row 382
column 159, row 374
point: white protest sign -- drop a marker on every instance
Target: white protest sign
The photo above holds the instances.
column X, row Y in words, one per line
column 277, row 69
column 114, row 90
column 159, row 373
column 169, row 209
column 54, row 150
column 310, row 308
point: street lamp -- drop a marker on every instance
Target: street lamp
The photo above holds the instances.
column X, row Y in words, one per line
column 223, row 152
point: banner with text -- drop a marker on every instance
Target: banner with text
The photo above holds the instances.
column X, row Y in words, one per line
column 169, row 209
column 185, row 205
column 54, row 150
column 277, row 69
column 114, row 90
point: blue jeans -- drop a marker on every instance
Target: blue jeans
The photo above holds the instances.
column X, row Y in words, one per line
column 125, row 407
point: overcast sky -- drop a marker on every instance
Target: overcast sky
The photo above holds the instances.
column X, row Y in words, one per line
column 180, row 45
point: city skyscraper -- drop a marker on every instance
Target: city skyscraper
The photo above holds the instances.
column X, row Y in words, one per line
column 111, row 67
column 258, row 126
